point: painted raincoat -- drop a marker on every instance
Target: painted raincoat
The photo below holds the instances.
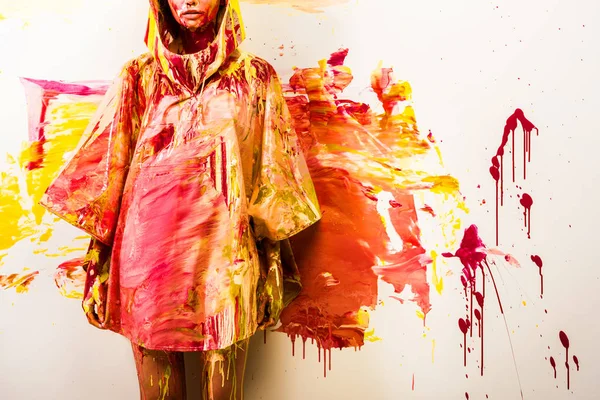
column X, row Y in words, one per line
column 190, row 180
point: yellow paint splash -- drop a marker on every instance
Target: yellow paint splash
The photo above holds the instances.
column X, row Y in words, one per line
column 15, row 221
column 371, row 337
column 438, row 282
column 25, row 180
column 65, row 125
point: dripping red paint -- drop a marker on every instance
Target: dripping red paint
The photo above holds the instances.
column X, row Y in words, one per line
column 538, row 261
column 497, row 168
column 527, row 202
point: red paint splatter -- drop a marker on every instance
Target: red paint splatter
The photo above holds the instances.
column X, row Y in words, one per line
column 553, row 364
column 19, row 282
column 497, row 168
column 337, row 58
column 478, row 317
column 428, row 210
column 538, row 261
column 564, row 340
column 473, row 256
column 576, row 361
column 495, row 172
column 430, row 137
column 463, row 325
column 527, row 202
column 467, row 395
column 413, row 382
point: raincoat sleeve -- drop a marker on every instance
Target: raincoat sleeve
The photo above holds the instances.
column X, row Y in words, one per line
column 283, row 200
column 87, row 192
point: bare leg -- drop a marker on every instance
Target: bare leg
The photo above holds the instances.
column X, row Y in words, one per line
column 161, row 374
column 223, row 372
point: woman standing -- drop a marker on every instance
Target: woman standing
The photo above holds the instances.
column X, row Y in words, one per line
column 190, row 180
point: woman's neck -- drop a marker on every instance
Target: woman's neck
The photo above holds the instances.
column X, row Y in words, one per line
column 192, row 42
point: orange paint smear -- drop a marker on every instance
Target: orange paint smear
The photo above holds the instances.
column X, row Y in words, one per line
column 20, row 282
column 362, row 167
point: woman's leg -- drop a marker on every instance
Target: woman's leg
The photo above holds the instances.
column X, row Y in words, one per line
column 223, row 372
column 161, row 374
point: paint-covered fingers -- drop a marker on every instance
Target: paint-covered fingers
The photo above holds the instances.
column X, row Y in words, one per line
column 94, row 303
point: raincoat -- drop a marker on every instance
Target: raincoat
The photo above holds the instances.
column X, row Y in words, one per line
column 190, row 179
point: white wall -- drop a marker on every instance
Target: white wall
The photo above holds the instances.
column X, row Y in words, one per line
column 471, row 63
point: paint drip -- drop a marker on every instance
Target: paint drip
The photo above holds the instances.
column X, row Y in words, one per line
column 497, row 168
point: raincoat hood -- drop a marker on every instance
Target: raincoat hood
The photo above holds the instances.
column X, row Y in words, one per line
column 191, row 70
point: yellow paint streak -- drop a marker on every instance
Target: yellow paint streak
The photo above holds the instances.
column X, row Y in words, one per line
column 420, row 314
column 438, row 281
column 235, row 8
column 433, row 351
column 443, row 184
column 20, row 282
column 15, row 221
column 65, row 124
column 163, row 384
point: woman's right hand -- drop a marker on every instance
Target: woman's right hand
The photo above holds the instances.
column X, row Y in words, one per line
column 97, row 266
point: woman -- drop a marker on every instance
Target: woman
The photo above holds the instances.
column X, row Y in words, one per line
column 190, row 180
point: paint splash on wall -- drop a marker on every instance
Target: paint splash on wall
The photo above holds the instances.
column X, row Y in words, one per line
column 20, row 282
column 497, row 168
column 477, row 260
column 566, row 344
column 368, row 169
column 58, row 114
